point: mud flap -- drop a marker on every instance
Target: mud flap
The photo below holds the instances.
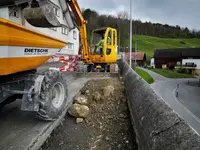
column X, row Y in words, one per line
column 31, row 94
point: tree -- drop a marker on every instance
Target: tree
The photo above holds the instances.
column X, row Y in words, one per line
column 122, row 23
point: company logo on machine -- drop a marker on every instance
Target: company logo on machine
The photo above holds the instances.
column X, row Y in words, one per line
column 35, row 51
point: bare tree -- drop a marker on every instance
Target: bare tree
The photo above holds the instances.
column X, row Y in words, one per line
column 122, row 15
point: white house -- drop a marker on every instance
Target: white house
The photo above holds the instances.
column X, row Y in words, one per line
column 152, row 62
column 195, row 61
column 14, row 14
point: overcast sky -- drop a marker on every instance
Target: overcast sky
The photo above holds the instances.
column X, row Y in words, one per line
column 185, row 13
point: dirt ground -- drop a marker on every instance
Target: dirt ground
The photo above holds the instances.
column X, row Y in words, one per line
column 107, row 127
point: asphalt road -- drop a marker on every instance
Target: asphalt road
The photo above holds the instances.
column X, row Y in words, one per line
column 187, row 104
column 21, row 130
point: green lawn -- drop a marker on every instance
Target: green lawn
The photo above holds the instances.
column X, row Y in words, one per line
column 149, row 44
column 171, row 74
column 144, row 75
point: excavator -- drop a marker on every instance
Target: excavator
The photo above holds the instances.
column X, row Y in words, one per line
column 23, row 50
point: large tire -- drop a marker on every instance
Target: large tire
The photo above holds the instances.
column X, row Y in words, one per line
column 53, row 96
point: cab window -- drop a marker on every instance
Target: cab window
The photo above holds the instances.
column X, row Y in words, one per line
column 109, row 39
column 113, row 37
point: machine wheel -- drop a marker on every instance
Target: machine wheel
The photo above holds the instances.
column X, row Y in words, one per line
column 53, row 96
column 108, row 68
column 90, row 68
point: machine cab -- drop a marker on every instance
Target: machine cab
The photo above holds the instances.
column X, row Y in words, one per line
column 104, row 45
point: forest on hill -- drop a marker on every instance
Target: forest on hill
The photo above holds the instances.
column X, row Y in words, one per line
column 121, row 23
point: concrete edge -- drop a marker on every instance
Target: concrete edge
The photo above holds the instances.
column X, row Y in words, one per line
column 174, row 128
column 47, row 132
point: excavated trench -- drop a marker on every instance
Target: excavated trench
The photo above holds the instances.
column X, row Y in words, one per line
column 107, row 126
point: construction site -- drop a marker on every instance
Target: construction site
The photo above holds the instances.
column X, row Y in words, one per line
column 60, row 92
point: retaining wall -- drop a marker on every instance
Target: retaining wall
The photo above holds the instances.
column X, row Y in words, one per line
column 156, row 125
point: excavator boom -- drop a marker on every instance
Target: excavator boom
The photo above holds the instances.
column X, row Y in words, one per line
column 83, row 34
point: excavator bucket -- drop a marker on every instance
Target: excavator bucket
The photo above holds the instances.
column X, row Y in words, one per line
column 42, row 16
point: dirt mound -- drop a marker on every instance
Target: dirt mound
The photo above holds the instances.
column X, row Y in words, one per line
column 106, row 127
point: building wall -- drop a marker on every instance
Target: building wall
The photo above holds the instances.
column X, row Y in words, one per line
column 152, row 64
column 164, row 61
column 196, row 61
column 197, row 71
column 15, row 14
column 71, row 37
column 4, row 13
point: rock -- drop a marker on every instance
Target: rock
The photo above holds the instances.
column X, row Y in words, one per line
column 61, row 143
column 81, row 99
column 97, row 96
column 79, row 120
column 123, row 100
column 108, row 90
column 87, row 92
column 109, row 117
column 122, row 116
column 78, row 111
column 119, row 146
column 107, row 138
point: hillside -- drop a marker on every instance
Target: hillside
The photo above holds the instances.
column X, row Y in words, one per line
column 148, row 44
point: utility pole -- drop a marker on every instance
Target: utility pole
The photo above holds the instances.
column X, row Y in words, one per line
column 136, row 51
column 119, row 39
column 130, row 59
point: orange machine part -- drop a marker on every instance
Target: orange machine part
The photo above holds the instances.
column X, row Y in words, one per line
column 12, row 34
column 20, row 64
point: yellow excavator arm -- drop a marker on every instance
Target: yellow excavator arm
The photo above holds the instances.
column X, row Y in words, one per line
column 83, row 34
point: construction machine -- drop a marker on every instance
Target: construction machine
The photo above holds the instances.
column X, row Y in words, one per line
column 23, row 50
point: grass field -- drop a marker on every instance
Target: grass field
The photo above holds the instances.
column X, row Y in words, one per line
column 145, row 75
column 171, row 74
column 149, row 44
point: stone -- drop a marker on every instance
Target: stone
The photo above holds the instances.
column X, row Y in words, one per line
column 78, row 111
column 87, row 92
column 107, row 138
column 127, row 141
column 97, row 96
column 123, row 99
column 108, row 90
column 81, row 99
column 79, row 120
column 121, row 115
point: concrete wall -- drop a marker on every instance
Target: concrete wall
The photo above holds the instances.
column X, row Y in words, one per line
column 156, row 125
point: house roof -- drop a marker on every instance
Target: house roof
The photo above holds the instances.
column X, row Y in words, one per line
column 191, row 52
column 167, row 54
column 139, row 55
column 177, row 53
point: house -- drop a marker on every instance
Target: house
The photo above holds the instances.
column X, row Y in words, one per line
column 166, row 57
column 152, row 63
column 183, row 57
column 140, row 57
column 71, row 36
column 191, row 58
